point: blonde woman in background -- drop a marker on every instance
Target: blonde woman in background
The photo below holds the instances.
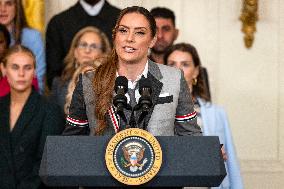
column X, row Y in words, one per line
column 87, row 45
column 26, row 119
column 83, row 68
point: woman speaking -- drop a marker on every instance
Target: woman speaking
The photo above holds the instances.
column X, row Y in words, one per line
column 92, row 110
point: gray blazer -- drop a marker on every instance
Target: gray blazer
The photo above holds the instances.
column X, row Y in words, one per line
column 172, row 112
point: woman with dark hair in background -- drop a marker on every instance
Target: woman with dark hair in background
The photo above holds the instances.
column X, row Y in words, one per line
column 26, row 119
column 5, row 40
column 212, row 119
column 92, row 106
column 13, row 17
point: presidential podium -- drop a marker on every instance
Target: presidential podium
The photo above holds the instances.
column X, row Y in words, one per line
column 80, row 161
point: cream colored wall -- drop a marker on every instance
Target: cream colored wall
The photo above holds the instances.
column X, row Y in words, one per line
column 248, row 83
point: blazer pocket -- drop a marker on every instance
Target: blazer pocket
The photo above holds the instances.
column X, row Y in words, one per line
column 164, row 100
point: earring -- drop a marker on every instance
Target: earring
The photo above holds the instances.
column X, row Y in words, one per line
column 149, row 51
column 194, row 81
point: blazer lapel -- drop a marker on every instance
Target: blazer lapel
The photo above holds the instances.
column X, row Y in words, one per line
column 154, row 74
column 4, row 118
column 5, row 129
column 26, row 115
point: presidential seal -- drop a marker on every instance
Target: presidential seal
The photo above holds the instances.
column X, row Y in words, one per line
column 133, row 156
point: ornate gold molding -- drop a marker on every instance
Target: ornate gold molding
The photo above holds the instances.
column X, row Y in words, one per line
column 249, row 17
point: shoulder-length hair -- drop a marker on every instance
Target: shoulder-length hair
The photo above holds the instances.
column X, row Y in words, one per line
column 105, row 74
column 69, row 60
column 19, row 21
column 198, row 90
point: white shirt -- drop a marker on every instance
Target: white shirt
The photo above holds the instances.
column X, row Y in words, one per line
column 132, row 84
column 92, row 10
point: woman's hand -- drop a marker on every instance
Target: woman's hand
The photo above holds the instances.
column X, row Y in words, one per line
column 224, row 154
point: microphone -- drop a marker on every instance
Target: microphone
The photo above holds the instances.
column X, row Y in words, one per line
column 145, row 101
column 120, row 100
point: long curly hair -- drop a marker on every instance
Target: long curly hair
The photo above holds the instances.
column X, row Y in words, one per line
column 70, row 61
column 198, row 90
column 105, row 74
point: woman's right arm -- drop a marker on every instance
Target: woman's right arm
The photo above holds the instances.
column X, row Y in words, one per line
column 77, row 121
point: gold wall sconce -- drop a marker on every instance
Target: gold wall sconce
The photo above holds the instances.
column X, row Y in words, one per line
column 249, row 17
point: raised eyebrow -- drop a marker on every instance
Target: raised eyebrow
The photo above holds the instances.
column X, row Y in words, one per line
column 123, row 26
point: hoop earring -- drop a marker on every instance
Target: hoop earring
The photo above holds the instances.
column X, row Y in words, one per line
column 194, row 81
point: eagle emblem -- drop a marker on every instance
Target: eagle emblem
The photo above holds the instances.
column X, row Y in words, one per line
column 133, row 153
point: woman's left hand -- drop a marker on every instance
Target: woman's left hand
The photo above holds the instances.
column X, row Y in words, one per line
column 224, row 154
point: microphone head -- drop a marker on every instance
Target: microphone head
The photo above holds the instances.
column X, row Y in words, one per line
column 121, row 82
column 145, row 83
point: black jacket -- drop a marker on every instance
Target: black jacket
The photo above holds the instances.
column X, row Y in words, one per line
column 62, row 28
column 21, row 150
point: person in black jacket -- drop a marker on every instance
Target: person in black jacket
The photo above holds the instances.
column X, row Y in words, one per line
column 26, row 119
column 62, row 28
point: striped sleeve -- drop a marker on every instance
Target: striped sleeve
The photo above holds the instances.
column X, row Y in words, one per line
column 185, row 119
column 77, row 121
